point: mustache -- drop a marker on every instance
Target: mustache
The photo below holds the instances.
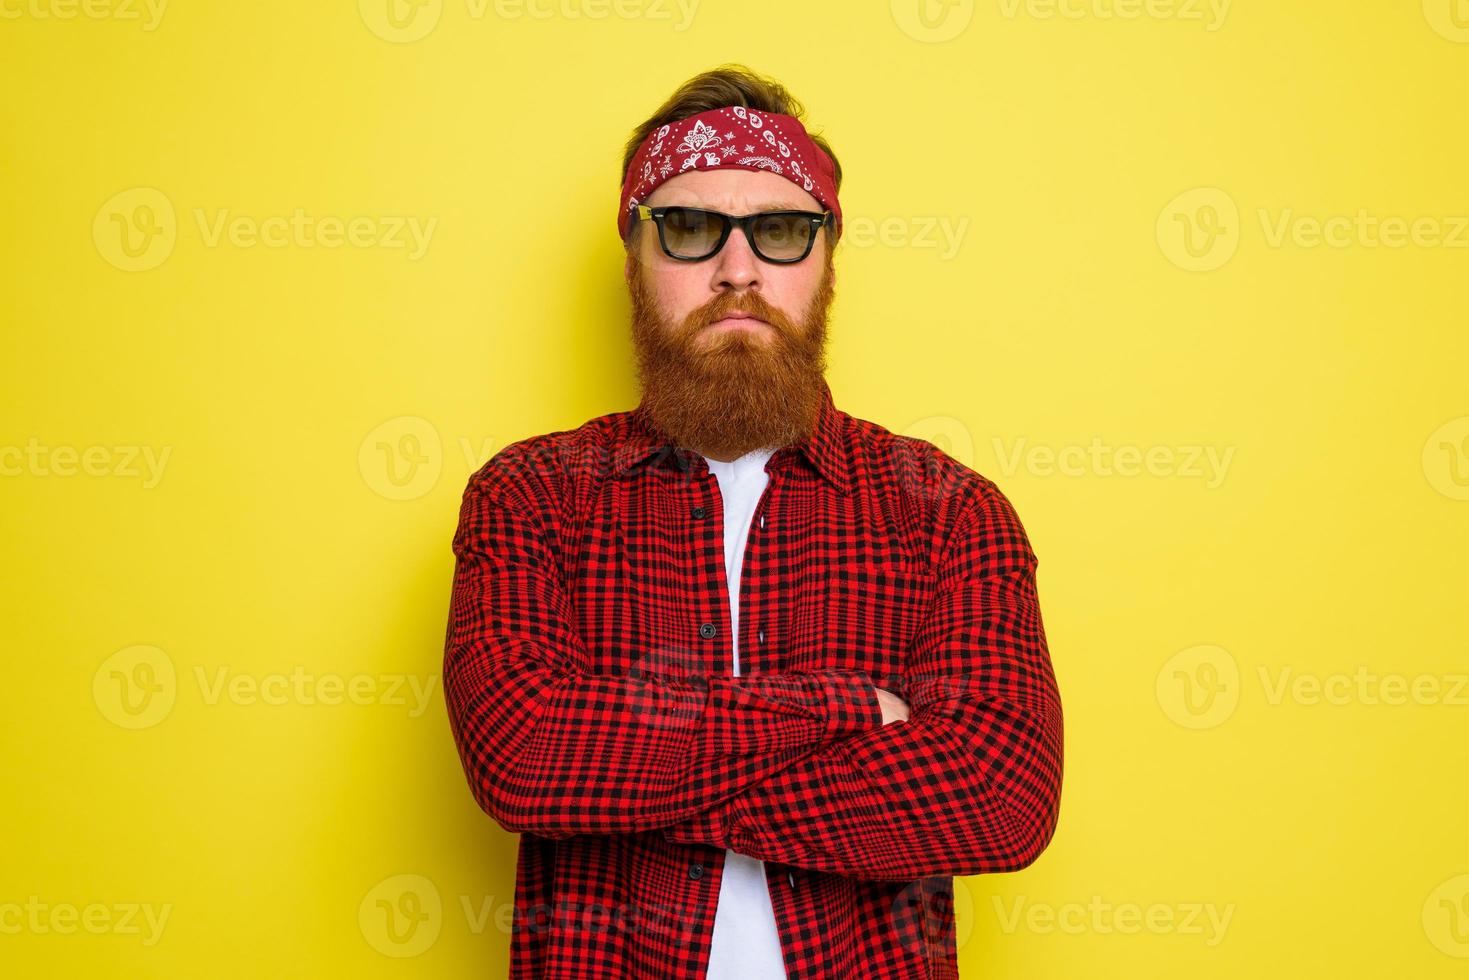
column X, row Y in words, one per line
column 752, row 305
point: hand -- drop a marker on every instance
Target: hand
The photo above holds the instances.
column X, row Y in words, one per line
column 894, row 708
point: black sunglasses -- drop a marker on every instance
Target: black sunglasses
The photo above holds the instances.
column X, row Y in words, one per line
column 695, row 234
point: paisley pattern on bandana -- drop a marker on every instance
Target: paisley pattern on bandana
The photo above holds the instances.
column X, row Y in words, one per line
column 731, row 137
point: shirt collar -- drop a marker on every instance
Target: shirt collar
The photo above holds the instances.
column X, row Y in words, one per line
column 824, row 448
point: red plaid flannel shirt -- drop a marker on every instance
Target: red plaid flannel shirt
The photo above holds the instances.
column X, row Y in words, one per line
column 587, row 674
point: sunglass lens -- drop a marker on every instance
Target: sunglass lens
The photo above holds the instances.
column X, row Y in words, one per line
column 782, row 236
column 689, row 233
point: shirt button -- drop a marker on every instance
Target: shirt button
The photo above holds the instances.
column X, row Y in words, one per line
column 699, row 512
column 707, row 630
column 696, row 871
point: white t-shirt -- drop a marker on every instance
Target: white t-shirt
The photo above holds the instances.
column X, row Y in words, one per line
column 746, row 943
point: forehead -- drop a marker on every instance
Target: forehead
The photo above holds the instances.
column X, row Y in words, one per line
column 734, row 191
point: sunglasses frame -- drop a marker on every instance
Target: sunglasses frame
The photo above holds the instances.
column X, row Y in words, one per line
column 818, row 219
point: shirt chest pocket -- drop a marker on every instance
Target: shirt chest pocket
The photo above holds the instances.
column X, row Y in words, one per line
column 872, row 612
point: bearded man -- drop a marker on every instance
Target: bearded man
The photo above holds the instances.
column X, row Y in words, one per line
column 752, row 678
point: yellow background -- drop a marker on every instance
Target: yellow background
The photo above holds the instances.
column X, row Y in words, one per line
column 323, row 406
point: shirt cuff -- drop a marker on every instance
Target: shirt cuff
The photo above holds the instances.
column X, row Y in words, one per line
column 851, row 704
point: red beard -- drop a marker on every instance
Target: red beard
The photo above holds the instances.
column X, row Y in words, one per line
column 723, row 393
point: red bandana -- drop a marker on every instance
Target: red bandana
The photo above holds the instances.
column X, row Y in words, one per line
column 732, row 137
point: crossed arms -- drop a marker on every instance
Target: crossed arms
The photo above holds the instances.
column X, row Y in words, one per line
column 794, row 767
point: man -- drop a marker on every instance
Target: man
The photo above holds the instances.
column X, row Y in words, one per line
column 752, row 677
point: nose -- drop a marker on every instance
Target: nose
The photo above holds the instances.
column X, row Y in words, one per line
column 736, row 266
